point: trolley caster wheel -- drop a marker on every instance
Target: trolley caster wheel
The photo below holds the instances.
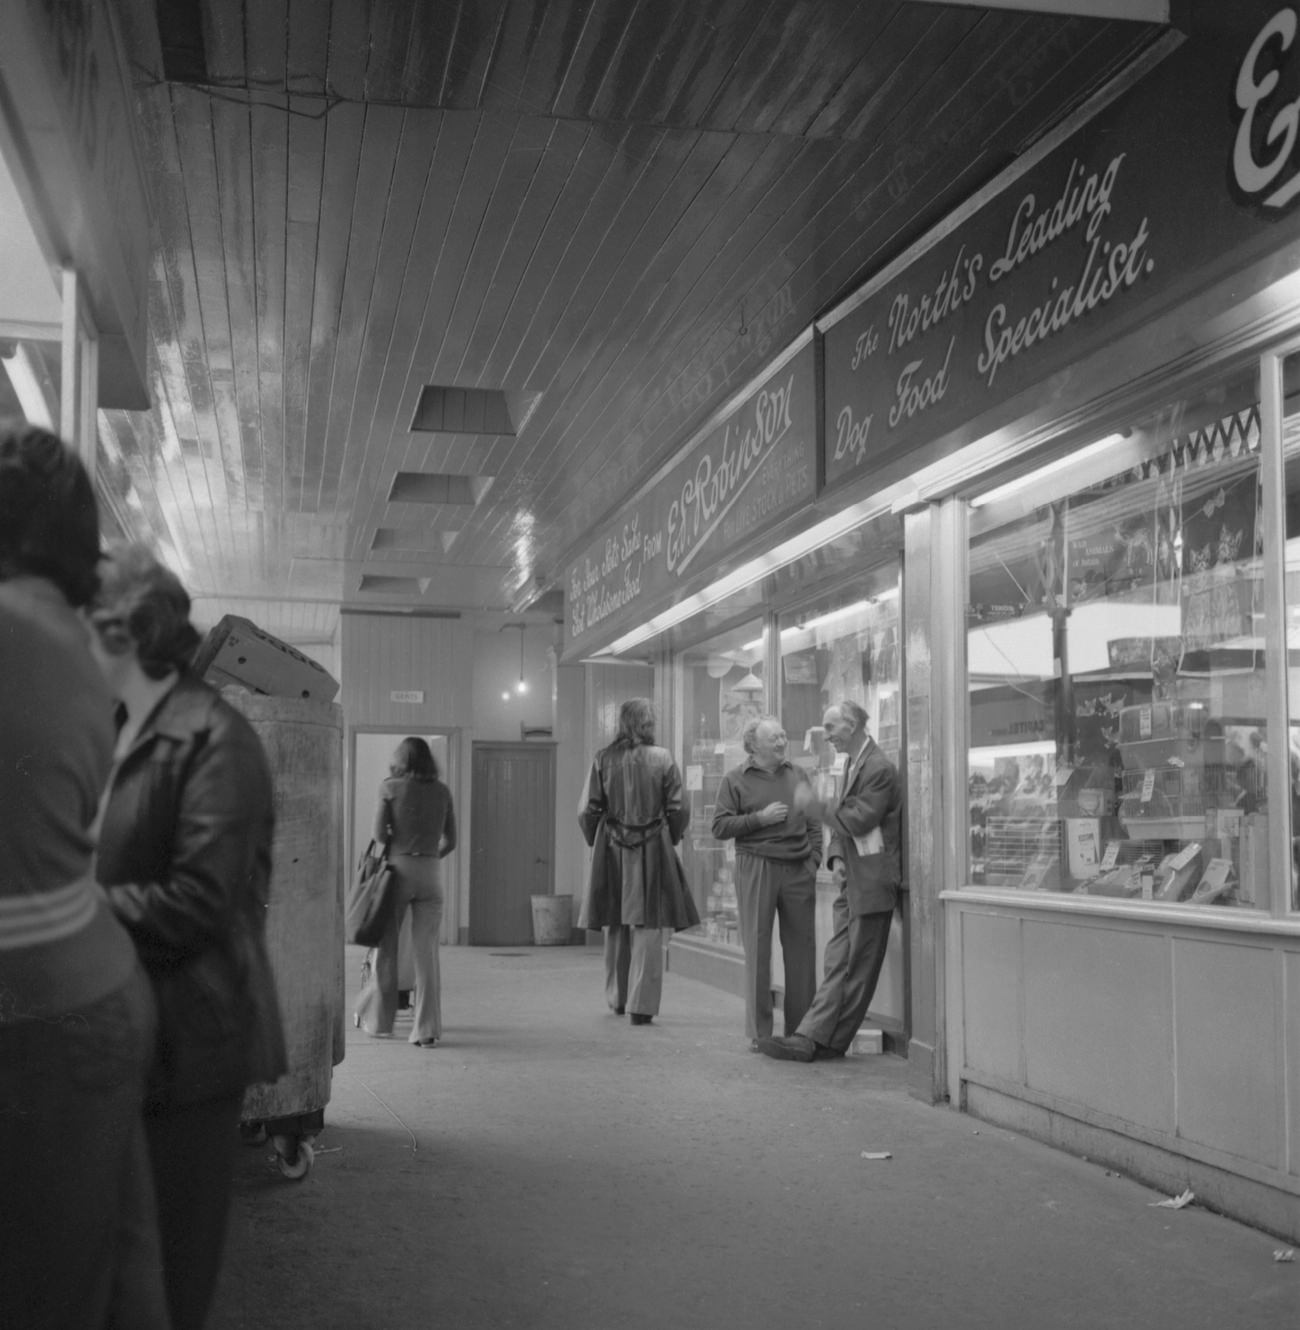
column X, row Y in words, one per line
column 293, row 1158
column 252, row 1133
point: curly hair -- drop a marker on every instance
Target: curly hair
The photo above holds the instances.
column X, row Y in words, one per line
column 414, row 758
column 750, row 730
column 144, row 600
column 49, row 521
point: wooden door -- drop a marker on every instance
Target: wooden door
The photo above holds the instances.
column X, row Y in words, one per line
column 512, row 815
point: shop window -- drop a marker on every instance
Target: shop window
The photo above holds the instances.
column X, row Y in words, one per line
column 1291, row 457
column 720, row 685
column 1116, row 666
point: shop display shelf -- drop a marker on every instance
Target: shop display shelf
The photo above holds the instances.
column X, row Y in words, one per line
column 1181, row 827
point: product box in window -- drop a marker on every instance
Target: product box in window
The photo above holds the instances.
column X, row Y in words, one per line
column 1181, row 719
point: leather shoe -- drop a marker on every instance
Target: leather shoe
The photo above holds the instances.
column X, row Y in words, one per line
column 825, row 1053
column 789, row 1048
column 618, row 1011
column 638, row 1019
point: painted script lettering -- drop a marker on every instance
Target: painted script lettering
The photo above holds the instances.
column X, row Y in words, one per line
column 1108, row 269
column 721, row 474
column 1084, row 196
column 1253, row 90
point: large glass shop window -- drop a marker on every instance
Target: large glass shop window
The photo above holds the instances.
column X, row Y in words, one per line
column 844, row 646
column 720, row 686
column 1116, row 666
column 1291, row 453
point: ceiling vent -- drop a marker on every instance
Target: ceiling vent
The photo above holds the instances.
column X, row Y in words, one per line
column 462, row 411
column 436, row 487
column 415, row 539
column 180, row 40
column 472, row 410
column 394, row 586
column 397, row 611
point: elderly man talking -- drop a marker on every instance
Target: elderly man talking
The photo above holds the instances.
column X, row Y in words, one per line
column 865, row 822
column 778, row 850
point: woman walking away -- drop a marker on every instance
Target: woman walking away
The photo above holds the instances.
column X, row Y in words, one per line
column 415, row 820
column 185, row 855
column 77, row 1229
column 632, row 815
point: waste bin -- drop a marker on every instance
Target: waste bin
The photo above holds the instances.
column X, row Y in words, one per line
column 552, row 920
column 303, row 740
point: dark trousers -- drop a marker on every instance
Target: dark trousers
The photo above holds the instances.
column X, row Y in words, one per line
column 78, row 1237
column 193, row 1151
column 853, row 959
column 768, row 890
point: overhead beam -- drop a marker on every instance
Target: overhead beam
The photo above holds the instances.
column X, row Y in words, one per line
column 1143, row 11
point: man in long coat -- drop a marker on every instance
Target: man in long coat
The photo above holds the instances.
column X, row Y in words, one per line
column 863, row 855
column 632, row 815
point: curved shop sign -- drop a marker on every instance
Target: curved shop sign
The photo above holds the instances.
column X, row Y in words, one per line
column 1174, row 184
column 752, row 467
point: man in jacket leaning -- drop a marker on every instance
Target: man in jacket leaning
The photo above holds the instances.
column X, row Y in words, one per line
column 778, row 850
column 865, row 825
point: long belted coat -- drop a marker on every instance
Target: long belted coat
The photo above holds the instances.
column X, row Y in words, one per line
column 632, row 817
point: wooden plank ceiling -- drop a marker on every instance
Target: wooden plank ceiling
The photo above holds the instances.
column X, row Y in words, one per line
column 605, row 214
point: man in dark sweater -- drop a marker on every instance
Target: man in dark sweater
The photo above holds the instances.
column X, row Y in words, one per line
column 778, row 851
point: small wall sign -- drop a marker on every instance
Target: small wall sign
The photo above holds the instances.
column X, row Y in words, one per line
column 407, row 695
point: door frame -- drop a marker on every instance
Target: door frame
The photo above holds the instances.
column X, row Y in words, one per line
column 456, row 780
column 513, row 746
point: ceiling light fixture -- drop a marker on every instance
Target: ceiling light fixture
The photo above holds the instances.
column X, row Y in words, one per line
column 26, row 380
column 1024, row 482
column 751, row 685
column 522, row 686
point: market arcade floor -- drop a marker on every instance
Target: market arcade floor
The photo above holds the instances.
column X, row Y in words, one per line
column 551, row 1166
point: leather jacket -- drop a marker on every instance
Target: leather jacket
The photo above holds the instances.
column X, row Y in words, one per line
column 185, row 857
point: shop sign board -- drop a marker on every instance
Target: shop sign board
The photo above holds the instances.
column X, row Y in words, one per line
column 744, row 471
column 1189, row 175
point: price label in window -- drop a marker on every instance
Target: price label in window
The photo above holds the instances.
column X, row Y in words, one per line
column 1148, row 786
column 1144, row 723
column 1185, row 855
column 1111, row 857
column 1063, row 775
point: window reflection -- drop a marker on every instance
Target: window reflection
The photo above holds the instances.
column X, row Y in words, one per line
column 720, row 684
column 845, row 646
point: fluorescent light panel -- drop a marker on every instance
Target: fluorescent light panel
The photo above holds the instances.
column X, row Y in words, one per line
column 795, row 548
column 1034, row 477
column 821, row 621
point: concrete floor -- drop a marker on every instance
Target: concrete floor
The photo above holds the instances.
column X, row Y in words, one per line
column 550, row 1166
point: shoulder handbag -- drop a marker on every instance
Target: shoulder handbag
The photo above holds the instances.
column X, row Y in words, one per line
column 368, row 909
